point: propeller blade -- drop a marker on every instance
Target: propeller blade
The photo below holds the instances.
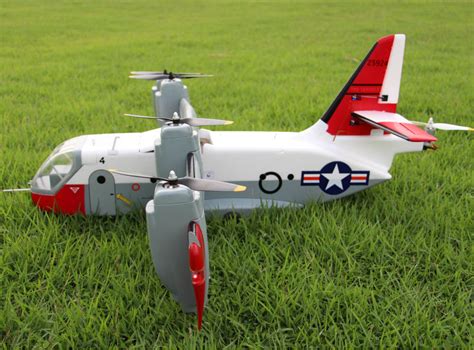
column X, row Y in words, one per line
column 210, row 185
column 17, row 190
column 444, row 126
column 204, row 121
column 149, row 76
column 142, row 116
column 192, row 75
column 141, row 72
column 124, row 173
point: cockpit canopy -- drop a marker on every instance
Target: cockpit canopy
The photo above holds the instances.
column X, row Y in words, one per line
column 59, row 167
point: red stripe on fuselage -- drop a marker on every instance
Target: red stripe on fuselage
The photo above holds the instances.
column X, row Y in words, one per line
column 68, row 200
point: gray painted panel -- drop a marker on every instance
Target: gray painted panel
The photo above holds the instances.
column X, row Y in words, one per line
column 290, row 194
column 290, row 191
column 138, row 194
column 244, row 205
column 102, row 193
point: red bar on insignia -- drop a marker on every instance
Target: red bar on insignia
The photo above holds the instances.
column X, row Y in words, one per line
column 358, row 178
column 311, row 179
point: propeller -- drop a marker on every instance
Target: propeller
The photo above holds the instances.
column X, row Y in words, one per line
column 152, row 75
column 431, row 125
column 191, row 182
column 176, row 119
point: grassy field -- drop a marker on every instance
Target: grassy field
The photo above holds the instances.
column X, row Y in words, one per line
column 390, row 267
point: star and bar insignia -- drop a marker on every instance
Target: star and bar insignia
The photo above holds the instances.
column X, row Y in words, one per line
column 334, row 178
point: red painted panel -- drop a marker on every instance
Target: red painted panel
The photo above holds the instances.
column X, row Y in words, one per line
column 374, row 69
column 70, row 199
column 411, row 131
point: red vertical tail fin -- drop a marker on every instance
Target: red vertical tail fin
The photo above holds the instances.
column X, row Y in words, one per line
column 374, row 86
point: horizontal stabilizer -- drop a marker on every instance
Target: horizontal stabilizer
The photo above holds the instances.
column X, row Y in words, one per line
column 395, row 124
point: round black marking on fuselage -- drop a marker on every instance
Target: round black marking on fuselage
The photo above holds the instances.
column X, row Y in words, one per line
column 270, row 176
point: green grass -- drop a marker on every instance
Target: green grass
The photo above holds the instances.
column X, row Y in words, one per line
column 390, row 267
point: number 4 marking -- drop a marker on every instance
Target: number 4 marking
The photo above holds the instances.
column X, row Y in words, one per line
column 102, row 160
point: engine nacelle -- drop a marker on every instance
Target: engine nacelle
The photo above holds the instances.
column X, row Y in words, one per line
column 167, row 95
column 169, row 215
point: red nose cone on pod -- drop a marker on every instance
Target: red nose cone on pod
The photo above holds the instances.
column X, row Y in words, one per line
column 199, row 285
column 196, row 265
column 196, row 258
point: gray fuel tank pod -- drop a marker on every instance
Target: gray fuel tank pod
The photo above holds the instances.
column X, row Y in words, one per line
column 168, row 217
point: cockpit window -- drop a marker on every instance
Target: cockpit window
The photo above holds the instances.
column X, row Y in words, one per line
column 60, row 166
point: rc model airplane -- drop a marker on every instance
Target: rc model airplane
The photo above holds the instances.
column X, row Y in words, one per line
column 180, row 171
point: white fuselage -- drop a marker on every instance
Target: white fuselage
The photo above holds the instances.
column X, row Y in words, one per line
column 270, row 164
